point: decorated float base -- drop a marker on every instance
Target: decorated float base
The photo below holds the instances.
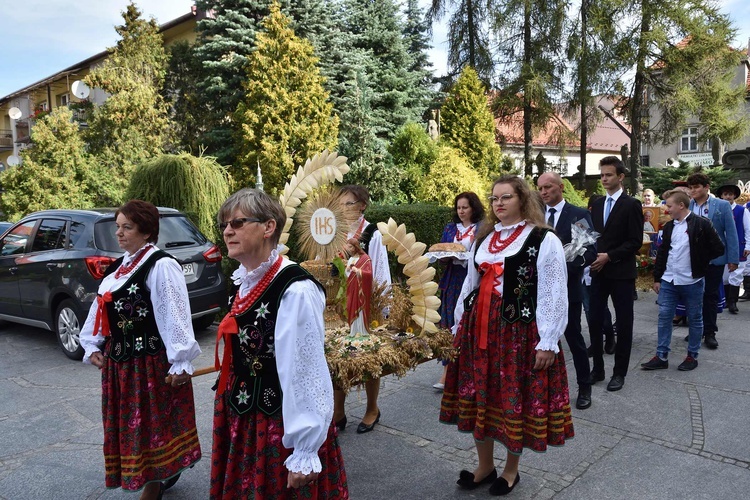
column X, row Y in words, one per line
column 353, row 360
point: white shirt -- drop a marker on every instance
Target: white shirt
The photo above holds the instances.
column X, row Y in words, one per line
column 552, row 282
column 307, row 401
column 679, row 270
column 171, row 303
column 556, row 216
column 614, row 198
column 701, row 210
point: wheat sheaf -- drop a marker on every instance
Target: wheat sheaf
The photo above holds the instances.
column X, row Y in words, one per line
column 422, row 288
column 321, row 169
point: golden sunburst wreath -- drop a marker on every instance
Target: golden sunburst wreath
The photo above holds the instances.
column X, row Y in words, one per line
column 322, row 198
column 321, row 169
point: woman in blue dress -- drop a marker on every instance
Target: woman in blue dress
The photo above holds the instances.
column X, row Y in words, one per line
column 468, row 212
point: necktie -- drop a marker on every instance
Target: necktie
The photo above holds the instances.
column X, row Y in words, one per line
column 551, row 218
column 607, row 210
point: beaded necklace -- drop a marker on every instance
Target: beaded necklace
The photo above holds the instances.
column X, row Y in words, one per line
column 240, row 305
column 469, row 233
column 123, row 270
column 498, row 245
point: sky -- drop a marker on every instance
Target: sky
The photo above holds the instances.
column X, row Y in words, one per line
column 41, row 37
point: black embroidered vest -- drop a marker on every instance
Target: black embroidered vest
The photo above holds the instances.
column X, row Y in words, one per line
column 519, row 280
column 132, row 325
column 257, row 386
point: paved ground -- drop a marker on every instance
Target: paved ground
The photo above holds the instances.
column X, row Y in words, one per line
column 667, row 434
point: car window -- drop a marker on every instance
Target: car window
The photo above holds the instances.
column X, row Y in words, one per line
column 15, row 241
column 77, row 230
column 172, row 230
column 50, row 235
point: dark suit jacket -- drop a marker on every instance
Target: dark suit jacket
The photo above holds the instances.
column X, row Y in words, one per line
column 705, row 245
column 570, row 215
column 621, row 238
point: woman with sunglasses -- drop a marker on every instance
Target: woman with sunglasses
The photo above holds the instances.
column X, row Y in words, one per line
column 354, row 199
column 139, row 332
column 273, row 433
column 508, row 382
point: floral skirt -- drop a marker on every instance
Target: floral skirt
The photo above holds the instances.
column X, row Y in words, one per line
column 494, row 393
column 149, row 426
column 247, row 459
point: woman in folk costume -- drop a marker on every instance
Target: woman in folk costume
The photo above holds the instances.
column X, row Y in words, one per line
column 508, row 382
column 468, row 212
column 273, row 434
column 355, row 200
column 138, row 332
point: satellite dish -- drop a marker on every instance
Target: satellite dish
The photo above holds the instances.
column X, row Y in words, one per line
column 80, row 89
column 14, row 113
column 13, row 160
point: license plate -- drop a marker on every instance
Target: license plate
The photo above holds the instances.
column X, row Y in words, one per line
column 188, row 269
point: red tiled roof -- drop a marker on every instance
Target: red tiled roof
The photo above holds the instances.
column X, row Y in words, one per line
column 509, row 130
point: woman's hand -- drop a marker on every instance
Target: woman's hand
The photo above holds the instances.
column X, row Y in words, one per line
column 297, row 479
column 97, row 359
column 176, row 380
column 544, row 360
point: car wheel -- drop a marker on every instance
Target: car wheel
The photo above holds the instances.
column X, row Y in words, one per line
column 68, row 329
column 203, row 322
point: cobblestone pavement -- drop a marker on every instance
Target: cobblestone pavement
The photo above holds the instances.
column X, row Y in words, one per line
column 667, row 434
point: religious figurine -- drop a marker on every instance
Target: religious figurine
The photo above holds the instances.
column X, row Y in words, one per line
column 358, row 288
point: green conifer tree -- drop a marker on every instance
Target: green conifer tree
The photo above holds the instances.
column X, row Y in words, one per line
column 225, row 39
column 467, row 124
column 285, row 115
column 132, row 124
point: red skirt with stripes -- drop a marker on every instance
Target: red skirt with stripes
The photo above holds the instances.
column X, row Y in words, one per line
column 247, row 458
column 494, row 393
column 149, row 426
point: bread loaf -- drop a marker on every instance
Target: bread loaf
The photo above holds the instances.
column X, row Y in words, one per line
column 447, row 247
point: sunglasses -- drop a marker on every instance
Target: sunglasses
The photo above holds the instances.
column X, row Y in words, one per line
column 237, row 223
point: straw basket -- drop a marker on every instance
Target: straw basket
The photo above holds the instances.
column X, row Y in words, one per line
column 324, row 273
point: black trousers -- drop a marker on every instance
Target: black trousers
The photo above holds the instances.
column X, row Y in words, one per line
column 621, row 292
column 714, row 275
column 577, row 346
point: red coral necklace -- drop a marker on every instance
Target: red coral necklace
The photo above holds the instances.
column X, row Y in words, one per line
column 469, row 233
column 498, row 245
column 240, row 305
column 123, row 270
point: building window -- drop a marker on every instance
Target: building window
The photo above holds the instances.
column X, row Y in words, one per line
column 44, row 106
column 689, row 140
column 63, row 99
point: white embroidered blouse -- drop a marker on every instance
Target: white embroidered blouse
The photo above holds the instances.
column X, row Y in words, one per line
column 169, row 297
column 307, row 401
column 552, row 284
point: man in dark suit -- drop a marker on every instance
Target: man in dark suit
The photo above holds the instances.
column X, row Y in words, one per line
column 561, row 216
column 618, row 219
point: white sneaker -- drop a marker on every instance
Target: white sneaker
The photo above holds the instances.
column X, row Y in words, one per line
column 439, row 386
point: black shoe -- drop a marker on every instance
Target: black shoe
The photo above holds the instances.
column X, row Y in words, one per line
column 363, row 427
column 711, row 342
column 466, row 479
column 687, row 337
column 609, row 344
column 681, row 320
column 583, row 400
column 690, row 363
column 732, row 306
column 596, row 377
column 500, row 487
column 616, row 383
column 341, row 424
column 170, row 482
column 656, row 363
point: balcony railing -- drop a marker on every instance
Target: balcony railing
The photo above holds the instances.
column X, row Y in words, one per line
column 6, row 140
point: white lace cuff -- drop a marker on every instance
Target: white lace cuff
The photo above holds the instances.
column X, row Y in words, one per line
column 303, row 462
column 548, row 345
column 180, row 367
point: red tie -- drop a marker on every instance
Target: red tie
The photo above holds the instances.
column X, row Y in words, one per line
column 486, row 289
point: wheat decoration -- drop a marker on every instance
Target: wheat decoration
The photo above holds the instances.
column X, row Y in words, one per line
column 422, row 288
column 321, row 198
column 319, row 170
